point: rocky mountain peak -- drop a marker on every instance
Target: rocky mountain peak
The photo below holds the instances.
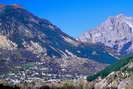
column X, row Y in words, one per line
column 118, row 19
column 116, row 32
column 113, row 19
column 121, row 15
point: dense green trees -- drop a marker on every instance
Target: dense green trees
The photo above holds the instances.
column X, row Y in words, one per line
column 114, row 67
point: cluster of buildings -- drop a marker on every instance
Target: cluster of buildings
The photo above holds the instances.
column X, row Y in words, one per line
column 33, row 72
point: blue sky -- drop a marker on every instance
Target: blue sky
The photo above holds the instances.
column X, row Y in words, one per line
column 75, row 16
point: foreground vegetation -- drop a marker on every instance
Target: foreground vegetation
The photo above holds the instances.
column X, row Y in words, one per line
column 81, row 84
column 8, row 87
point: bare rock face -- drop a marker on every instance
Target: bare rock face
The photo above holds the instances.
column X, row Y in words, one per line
column 6, row 43
column 126, row 83
column 116, row 32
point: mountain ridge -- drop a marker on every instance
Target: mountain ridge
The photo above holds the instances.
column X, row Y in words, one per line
column 115, row 32
column 27, row 27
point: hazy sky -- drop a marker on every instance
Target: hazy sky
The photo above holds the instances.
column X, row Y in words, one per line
column 75, row 16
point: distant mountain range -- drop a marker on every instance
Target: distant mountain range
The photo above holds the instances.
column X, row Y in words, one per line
column 116, row 32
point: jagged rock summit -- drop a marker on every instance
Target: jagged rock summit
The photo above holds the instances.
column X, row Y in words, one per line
column 116, row 32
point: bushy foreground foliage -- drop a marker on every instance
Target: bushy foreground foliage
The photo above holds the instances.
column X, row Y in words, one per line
column 81, row 84
column 71, row 85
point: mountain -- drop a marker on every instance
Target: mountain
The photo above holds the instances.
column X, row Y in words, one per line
column 116, row 76
column 116, row 32
column 21, row 29
column 32, row 47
